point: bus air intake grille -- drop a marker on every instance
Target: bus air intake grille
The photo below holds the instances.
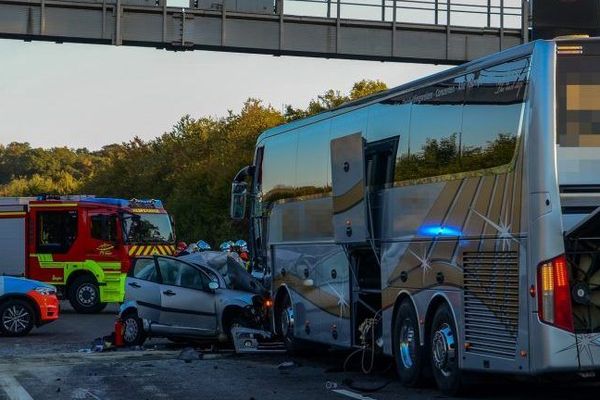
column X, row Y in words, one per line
column 491, row 299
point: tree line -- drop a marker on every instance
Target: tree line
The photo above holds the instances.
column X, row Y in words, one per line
column 190, row 168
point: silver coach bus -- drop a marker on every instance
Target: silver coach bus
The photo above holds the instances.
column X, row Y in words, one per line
column 451, row 222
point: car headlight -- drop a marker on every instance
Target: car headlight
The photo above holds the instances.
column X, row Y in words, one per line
column 45, row 291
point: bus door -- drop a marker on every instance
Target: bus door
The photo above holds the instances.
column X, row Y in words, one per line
column 257, row 221
column 348, row 187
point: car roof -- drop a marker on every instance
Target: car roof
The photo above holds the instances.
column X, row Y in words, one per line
column 192, row 263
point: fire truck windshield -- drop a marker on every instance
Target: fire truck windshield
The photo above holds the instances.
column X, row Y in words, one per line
column 148, row 228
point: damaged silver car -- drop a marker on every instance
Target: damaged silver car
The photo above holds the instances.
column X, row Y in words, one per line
column 192, row 297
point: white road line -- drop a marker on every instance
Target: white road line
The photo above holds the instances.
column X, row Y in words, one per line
column 352, row 395
column 13, row 388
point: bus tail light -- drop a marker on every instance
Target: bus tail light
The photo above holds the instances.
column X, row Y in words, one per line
column 554, row 293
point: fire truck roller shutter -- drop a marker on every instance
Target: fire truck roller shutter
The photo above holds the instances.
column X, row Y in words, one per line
column 12, row 240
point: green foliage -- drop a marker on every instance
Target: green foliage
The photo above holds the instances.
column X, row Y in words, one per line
column 190, row 168
column 333, row 98
column 444, row 156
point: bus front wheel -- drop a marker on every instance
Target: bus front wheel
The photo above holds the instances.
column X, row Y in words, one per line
column 285, row 325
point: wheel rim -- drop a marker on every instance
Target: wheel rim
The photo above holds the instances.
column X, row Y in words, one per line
column 131, row 330
column 407, row 343
column 16, row 319
column 87, row 295
column 287, row 320
column 444, row 349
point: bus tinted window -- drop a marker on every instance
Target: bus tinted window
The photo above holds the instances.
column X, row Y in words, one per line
column 492, row 115
column 578, row 101
column 279, row 166
column 435, row 126
column 466, row 124
column 391, row 118
column 312, row 160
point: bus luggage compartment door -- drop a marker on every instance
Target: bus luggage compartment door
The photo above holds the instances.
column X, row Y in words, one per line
column 348, row 186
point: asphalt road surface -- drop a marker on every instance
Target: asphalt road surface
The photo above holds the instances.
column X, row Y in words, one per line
column 51, row 363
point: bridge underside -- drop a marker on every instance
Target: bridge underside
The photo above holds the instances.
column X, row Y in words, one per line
column 277, row 34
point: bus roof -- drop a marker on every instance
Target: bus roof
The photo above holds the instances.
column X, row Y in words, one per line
column 513, row 52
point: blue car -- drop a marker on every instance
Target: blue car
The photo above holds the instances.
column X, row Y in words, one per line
column 25, row 303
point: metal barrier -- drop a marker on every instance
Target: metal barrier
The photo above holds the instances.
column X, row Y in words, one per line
column 471, row 13
column 426, row 31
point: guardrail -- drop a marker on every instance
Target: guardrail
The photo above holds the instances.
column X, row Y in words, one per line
column 430, row 31
column 473, row 13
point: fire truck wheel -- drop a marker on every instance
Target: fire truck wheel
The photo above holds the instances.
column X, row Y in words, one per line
column 133, row 330
column 16, row 318
column 408, row 352
column 444, row 352
column 84, row 295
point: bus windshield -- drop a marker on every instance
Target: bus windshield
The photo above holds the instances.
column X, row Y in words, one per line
column 148, row 228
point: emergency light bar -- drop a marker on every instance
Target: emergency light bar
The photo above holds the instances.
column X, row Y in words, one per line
column 151, row 203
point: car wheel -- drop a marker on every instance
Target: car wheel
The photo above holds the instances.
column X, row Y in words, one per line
column 84, row 295
column 444, row 355
column 408, row 352
column 16, row 318
column 133, row 330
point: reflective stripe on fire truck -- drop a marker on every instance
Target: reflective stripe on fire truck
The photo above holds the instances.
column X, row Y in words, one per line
column 108, row 274
column 12, row 214
column 54, row 205
column 147, row 211
column 161, row 250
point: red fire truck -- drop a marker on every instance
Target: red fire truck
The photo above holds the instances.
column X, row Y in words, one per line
column 81, row 244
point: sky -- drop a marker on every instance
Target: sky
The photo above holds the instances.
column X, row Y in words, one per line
column 80, row 95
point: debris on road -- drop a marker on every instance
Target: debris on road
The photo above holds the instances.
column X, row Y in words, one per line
column 247, row 340
column 287, row 365
column 189, row 354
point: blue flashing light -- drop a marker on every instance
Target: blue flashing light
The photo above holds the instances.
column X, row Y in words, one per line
column 439, row 230
column 107, row 200
column 134, row 203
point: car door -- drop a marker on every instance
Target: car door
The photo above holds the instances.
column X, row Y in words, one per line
column 187, row 304
column 143, row 287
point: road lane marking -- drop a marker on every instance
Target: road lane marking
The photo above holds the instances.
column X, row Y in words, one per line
column 352, row 395
column 13, row 388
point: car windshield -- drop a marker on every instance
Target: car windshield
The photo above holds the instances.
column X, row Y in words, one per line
column 148, row 228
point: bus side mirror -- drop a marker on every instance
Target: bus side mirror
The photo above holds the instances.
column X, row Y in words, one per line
column 239, row 192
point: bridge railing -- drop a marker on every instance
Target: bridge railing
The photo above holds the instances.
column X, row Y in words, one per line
column 471, row 13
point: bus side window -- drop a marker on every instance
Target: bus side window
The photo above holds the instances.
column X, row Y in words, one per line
column 57, row 230
column 380, row 159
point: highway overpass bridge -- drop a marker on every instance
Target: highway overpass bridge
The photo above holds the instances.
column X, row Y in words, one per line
column 423, row 31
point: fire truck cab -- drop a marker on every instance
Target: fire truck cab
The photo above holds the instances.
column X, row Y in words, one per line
column 81, row 244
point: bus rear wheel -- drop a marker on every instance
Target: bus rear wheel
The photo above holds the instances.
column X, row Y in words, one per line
column 84, row 295
column 408, row 352
column 443, row 340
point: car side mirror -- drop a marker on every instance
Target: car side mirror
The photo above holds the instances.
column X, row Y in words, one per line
column 212, row 285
